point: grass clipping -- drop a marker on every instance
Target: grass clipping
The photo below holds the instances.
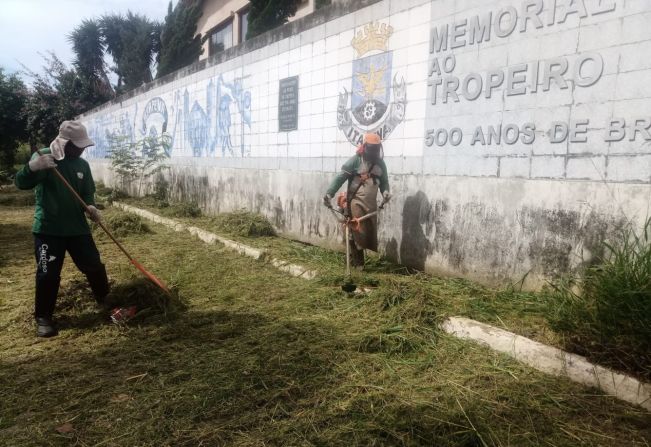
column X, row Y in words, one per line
column 124, row 224
column 244, row 223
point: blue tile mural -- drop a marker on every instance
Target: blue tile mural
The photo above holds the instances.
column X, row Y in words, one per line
column 211, row 125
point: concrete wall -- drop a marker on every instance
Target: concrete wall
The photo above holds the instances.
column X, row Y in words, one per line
column 517, row 139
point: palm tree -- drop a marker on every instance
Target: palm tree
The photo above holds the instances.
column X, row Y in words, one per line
column 132, row 41
column 88, row 45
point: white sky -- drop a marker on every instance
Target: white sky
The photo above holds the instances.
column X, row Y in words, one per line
column 28, row 27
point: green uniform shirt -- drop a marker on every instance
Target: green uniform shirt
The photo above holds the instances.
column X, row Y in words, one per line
column 350, row 168
column 58, row 213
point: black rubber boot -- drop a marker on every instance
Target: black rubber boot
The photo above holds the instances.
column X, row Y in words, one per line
column 45, row 327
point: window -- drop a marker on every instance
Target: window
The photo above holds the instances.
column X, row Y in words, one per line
column 244, row 23
column 221, row 38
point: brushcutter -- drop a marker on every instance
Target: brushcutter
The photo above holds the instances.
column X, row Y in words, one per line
column 133, row 261
column 349, row 223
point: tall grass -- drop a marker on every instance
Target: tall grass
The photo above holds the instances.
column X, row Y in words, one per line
column 606, row 312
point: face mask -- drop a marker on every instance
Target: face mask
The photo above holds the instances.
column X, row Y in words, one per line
column 73, row 151
column 372, row 152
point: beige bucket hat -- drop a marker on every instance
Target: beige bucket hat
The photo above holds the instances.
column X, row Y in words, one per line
column 70, row 131
column 76, row 132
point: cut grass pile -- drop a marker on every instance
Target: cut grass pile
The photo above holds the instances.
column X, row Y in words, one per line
column 243, row 223
column 153, row 305
column 122, row 224
column 262, row 358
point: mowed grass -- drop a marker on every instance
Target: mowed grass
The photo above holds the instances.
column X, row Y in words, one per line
column 531, row 314
column 255, row 357
column 509, row 308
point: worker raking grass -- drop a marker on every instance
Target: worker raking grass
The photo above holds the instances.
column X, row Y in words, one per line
column 60, row 225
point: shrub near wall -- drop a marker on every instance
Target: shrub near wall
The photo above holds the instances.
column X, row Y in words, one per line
column 606, row 313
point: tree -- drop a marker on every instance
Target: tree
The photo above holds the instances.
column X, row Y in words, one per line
column 56, row 96
column 13, row 96
column 180, row 45
column 269, row 14
column 88, row 45
column 132, row 42
column 138, row 161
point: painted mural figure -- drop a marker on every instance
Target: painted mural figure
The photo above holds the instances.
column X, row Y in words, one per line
column 104, row 133
column 223, row 123
column 229, row 93
column 366, row 174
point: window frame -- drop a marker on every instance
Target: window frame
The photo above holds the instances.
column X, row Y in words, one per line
column 240, row 13
column 216, row 29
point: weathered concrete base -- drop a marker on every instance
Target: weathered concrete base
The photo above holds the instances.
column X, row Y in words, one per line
column 212, row 238
column 489, row 230
column 552, row 360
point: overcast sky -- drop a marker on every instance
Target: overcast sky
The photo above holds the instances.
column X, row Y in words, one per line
column 28, row 27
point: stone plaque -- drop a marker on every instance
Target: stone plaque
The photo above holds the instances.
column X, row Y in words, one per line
column 288, row 104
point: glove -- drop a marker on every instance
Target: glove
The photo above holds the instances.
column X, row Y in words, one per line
column 327, row 201
column 386, row 196
column 42, row 162
column 94, row 214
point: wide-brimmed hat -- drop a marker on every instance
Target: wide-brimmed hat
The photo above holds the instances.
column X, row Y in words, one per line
column 76, row 132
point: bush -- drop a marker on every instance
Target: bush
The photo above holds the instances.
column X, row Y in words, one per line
column 161, row 187
column 187, row 209
column 605, row 314
column 23, row 155
column 244, row 223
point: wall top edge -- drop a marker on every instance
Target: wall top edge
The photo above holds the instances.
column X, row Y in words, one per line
column 338, row 8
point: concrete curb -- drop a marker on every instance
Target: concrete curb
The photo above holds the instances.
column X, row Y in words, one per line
column 552, row 360
column 544, row 358
column 211, row 238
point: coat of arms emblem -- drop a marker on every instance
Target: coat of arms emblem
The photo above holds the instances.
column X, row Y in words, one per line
column 370, row 108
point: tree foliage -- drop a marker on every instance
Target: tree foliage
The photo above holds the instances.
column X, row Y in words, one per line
column 56, row 96
column 269, row 14
column 89, row 46
column 138, row 161
column 180, row 43
column 13, row 96
column 132, row 41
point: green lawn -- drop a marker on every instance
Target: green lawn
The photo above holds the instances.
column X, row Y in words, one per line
column 249, row 356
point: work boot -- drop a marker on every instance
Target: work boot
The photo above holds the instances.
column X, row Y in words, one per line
column 45, row 327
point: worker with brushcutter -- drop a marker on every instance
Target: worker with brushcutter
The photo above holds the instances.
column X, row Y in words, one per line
column 366, row 173
column 60, row 224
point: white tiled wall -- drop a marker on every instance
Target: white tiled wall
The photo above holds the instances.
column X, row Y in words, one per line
column 214, row 127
